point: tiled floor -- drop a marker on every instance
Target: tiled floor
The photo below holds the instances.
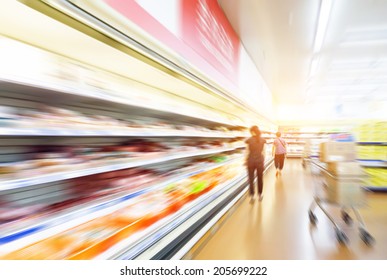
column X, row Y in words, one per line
column 278, row 227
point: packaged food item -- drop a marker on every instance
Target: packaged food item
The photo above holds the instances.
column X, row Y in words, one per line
column 147, row 209
column 6, row 168
column 83, row 241
column 8, row 116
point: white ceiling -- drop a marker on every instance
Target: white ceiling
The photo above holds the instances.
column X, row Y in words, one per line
column 279, row 36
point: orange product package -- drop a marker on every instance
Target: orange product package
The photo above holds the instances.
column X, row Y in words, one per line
column 146, row 210
column 178, row 198
column 95, row 235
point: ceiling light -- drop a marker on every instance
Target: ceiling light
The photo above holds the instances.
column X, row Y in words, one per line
column 313, row 67
column 323, row 19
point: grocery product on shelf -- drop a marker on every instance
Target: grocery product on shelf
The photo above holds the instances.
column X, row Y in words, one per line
column 49, row 159
column 88, row 188
column 88, row 158
column 89, row 239
column 43, row 118
column 377, row 178
column 372, row 153
column 375, row 132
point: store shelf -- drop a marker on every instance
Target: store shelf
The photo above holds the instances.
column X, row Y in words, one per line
column 131, row 247
column 372, row 143
column 27, row 94
column 86, row 212
column 45, row 89
column 376, row 189
column 103, row 132
column 110, row 166
column 373, row 163
column 211, row 216
column 174, row 232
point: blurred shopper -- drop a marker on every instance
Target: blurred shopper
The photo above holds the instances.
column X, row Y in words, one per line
column 255, row 161
column 279, row 153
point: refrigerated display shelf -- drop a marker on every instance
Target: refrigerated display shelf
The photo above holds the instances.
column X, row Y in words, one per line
column 83, row 213
column 132, row 247
column 60, row 132
column 212, row 223
column 110, row 166
column 87, row 95
column 162, row 239
column 209, row 222
column 93, row 25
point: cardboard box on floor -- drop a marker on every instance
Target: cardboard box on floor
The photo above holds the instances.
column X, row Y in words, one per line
column 337, row 151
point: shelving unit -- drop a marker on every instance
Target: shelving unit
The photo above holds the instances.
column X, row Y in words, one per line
column 372, row 153
column 373, row 157
column 303, row 144
column 58, row 172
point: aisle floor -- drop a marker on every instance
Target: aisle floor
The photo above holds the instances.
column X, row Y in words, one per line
column 278, row 227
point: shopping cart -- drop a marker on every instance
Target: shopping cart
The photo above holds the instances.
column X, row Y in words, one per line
column 344, row 192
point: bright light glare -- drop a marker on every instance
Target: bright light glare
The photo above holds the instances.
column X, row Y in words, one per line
column 313, row 67
column 325, row 10
column 19, row 59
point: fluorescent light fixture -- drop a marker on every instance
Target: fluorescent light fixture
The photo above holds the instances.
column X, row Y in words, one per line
column 313, row 67
column 323, row 19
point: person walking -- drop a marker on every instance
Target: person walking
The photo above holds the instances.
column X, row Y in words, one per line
column 255, row 161
column 279, row 153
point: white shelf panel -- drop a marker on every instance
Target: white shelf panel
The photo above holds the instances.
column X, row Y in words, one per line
column 103, row 132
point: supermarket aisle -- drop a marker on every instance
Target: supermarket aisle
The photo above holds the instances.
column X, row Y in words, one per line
column 279, row 228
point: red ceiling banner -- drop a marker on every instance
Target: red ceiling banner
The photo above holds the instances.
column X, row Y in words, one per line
column 207, row 30
column 201, row 34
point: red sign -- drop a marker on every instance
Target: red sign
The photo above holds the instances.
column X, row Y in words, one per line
column 207, row 30
column 206, row 39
